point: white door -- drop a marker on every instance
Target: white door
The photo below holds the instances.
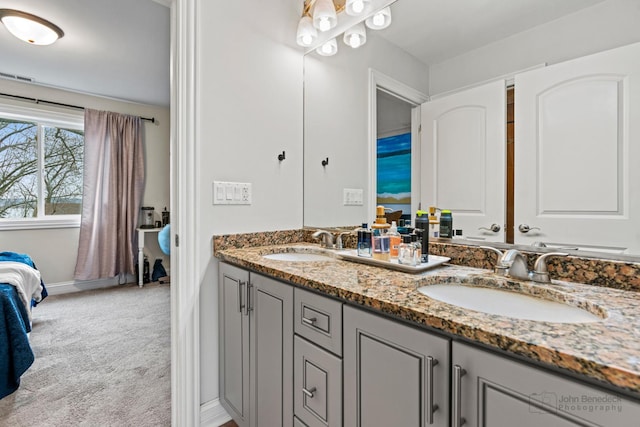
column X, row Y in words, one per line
column 463, row 159
column 577, row 153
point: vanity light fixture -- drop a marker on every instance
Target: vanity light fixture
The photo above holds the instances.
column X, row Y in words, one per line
column 355, row 36
column 380, row 20
column 329, row 48
column 30, row 28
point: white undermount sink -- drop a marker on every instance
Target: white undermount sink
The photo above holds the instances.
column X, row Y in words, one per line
column 298, row 257
column 508, row 304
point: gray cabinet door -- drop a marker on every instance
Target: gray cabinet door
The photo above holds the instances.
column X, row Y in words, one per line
column 234, row 343
column 317, row 385
column 495, row 391
column 394, row 375
column 271, row 324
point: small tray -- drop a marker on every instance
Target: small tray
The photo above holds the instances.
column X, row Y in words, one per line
column 434, row 261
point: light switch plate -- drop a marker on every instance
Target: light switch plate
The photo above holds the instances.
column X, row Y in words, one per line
column 353, row 196
column 231, row 193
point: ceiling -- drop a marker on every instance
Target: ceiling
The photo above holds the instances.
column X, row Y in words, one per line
column 436, row 30
column 121, row 48
column 114, row 48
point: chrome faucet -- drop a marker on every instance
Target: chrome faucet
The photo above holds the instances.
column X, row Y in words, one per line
column 540, row 273
column 327, row 238
column 513, row 263
column 339, row 244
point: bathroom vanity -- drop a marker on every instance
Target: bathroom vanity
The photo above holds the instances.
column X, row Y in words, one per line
column 330, row 343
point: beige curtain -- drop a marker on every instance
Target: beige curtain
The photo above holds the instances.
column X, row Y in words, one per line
column 113, row 185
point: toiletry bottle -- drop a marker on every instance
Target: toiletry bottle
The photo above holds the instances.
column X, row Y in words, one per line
column 417, row 245
column 381, row 245
column 446, row 224
column 364, row 241
column 422, row 230
column 394, row 240
column 406, row 251
column 434, row 223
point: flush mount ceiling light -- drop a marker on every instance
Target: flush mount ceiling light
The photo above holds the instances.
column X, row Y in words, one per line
column 30, row 28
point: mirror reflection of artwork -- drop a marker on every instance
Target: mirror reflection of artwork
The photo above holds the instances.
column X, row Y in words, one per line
column 394, row 172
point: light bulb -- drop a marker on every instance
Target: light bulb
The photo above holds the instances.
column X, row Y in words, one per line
column 307, row 39
column 378, row 19
column 358, row 6
column 326, row 48
column 324, row 25
column 354, row 41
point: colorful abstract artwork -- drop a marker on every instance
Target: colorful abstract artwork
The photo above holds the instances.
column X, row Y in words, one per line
column 394, row 172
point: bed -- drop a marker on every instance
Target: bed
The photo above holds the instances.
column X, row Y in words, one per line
column 21, row 288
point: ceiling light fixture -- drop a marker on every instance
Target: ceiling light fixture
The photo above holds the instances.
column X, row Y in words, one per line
column 30, row 28
column 322, row 15
column 329, row 48
column 355, row 36
column 380, row 20
column 356, row 7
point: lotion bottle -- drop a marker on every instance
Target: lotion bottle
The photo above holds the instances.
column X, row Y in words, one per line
column 394, row 240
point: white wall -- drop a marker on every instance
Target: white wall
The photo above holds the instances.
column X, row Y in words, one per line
column 249, row 86
column 606, row 25
column 337, row 124
column 54, row 250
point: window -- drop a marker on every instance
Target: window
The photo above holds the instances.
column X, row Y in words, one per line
column 41, row 166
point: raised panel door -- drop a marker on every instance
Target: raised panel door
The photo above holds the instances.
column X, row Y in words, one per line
column 393, row 374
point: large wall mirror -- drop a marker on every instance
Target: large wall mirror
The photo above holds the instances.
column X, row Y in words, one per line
column 432, row 48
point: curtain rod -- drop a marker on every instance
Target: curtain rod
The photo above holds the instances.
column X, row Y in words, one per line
column 59, row 104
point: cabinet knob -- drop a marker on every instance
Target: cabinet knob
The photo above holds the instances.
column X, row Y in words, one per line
column 309, row 393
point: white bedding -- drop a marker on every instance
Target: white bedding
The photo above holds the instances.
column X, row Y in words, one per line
column 25, row 279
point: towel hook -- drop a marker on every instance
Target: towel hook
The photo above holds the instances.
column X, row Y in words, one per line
column 281, row 157
column 325, row 162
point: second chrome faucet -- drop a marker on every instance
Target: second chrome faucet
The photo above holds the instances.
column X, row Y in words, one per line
column 513, row 263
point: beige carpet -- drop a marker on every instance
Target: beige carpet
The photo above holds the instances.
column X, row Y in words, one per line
column 102, row 359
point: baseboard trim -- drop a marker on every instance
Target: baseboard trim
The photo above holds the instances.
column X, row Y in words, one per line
column 212, row 414
column 68, row 287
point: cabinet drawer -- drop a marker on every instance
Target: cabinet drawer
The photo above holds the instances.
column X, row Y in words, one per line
column 319, row 319
column 317, row 385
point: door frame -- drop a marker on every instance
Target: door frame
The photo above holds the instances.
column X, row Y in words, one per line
column 184, row 172
column 378, row 80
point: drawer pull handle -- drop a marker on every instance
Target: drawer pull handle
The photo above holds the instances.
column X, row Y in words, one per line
column 456, row 404
column 431, row 408
column 309, row 393
column 309, row 321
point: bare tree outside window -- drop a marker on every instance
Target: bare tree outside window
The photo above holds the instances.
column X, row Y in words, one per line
column 20, row 175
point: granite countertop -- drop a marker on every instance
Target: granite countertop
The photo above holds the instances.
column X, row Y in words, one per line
column 607, row 351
